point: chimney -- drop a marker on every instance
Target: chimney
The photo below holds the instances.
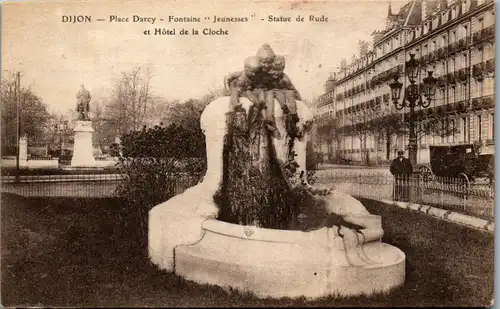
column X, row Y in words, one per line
column 363, row 48
column 429, row 7
column 343, row 64
column 443, row 5
column 377, row 35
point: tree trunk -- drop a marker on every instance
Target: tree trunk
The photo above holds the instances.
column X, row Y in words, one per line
column 388, row 146
column 367, row 153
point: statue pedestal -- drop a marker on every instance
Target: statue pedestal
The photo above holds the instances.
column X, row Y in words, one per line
column 23, row 148
column 82, row 150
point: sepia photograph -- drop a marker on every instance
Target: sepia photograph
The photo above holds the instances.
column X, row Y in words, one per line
column 239, row 153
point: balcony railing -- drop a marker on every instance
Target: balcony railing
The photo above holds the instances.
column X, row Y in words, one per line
column 434, row 56
column 450, row 78
column 441, row 81
column 478, row 70
column 463, row 74
column 452, row 47
column 483, row 102
column 463, row 105
column 424, row 59
column 484, row 34
column 462, row 43
column 441, row 53
column 490, row 66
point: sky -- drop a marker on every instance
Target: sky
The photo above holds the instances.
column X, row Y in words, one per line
column 54, row 58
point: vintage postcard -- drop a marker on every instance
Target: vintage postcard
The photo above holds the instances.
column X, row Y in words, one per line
column 238, row 153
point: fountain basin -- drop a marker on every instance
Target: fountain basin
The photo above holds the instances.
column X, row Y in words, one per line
column 281, row 263
column 185, row 237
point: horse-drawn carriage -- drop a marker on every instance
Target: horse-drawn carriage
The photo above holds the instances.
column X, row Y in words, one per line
column 459, row 161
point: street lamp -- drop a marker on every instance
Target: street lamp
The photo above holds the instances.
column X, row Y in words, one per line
column 61, row 127
column 412, row 98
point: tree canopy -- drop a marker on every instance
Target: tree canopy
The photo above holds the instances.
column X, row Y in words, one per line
column 34, row 116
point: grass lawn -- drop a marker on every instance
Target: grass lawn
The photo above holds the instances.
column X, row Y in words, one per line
column 82, row 253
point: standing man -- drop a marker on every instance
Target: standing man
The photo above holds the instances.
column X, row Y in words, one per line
column 401, row 168
column 82, row 106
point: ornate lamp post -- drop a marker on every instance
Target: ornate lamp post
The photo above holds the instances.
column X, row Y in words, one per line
column 413, row 98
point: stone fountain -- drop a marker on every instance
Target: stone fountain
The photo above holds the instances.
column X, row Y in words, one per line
column 186, row 237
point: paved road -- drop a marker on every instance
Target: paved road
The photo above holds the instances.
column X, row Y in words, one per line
column 326, row 169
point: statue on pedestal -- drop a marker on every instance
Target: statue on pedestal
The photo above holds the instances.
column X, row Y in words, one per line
column 82, row 105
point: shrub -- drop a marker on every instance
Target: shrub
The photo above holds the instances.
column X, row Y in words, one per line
column 114, row 150
column 154, row 161
column 312, row 159
column 312, row 162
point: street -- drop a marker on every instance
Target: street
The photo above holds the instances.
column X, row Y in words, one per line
column 327, row 168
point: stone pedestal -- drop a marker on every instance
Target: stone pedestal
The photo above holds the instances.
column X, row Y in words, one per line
column 23, row 148
column 82, row 149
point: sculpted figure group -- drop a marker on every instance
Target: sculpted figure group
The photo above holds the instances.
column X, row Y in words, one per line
column 261, row 81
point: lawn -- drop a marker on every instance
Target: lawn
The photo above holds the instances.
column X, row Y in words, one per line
column 83, row 253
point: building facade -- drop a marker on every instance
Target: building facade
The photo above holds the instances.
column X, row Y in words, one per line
column 453, row 39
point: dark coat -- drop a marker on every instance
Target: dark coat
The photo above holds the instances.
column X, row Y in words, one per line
column 402, row 167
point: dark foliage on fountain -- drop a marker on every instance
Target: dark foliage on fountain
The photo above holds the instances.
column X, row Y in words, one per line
column 254, row 189
column 257, row 188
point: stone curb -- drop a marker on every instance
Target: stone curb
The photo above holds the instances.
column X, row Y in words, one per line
column 482, row 224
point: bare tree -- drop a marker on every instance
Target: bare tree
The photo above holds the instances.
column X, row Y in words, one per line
column 390, row 123
column 188, row 113
column 363, row 125
column 130, row 98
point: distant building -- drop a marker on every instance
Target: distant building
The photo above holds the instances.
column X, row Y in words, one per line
column 455, row 40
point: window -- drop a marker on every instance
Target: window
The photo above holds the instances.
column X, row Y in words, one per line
column 451, row 98
column 465, row 131
column 443, row 130
column 452, row 128
column 479, row 127
column 492, row 126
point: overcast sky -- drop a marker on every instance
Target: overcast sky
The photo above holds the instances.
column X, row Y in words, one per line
column 56, row 57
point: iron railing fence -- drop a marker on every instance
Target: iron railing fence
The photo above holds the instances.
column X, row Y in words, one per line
column 448, row 193
column 443, row 192
column 81, row 185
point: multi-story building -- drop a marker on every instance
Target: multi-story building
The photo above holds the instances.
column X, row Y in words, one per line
column 454, row 39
